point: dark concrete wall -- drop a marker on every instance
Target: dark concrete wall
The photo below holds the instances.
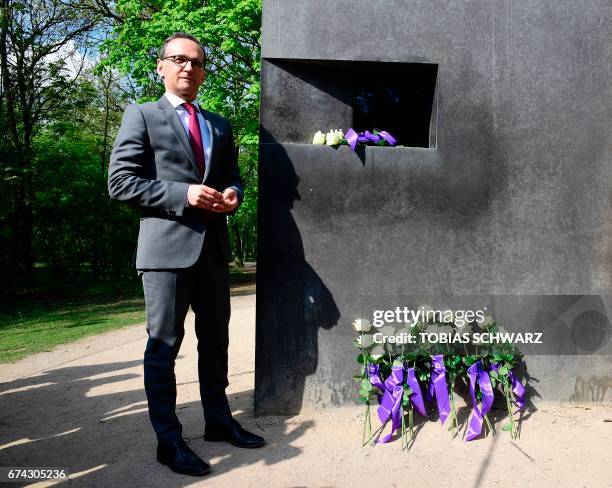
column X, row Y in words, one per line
column 514, row 200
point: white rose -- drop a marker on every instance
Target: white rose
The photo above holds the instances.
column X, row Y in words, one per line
column 487, row 322
column 377, row 352
column 484, row 325
column 387, row 331
column 332, row 138
column 427, row 313
column 446, row 329
column 319, row 138
column 340, row 133
column 433, row 329
column 448, row 316
column 362, row 325
column 365, row 340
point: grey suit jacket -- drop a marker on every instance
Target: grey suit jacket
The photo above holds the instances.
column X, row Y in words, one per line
column 152, row 165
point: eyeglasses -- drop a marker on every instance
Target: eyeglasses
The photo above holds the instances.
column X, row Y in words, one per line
column 182, row 61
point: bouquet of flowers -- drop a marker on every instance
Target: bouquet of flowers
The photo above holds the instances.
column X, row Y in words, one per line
column 403, row 377
column 336, row 137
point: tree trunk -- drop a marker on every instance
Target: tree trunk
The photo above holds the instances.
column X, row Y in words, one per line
column 103, row 161
column 239, row 258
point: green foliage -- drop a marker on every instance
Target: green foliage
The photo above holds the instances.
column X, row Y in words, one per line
column 41, row 44
column 230, row 33
column 74, row 221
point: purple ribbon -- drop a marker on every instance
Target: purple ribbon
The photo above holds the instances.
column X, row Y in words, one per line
column 478, row 376
column 416, row 398
column 519, row 391
column 391, row 399
column 368, row 136
column 353, row 138
column 388, row 137
column 391, row 404
column 437, row 386
column 517, row 387
column 374, row 376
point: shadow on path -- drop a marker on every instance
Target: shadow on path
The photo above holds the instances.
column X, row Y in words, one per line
column 93, row 420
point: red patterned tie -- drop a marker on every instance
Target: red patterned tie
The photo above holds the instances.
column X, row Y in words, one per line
column 195, row 137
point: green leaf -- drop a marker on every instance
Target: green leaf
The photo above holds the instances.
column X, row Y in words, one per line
column 469, row 360
column 503, row 371
column 507, row 427
column 360, row 359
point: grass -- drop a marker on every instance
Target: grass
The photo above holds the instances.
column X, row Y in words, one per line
column 39, row 319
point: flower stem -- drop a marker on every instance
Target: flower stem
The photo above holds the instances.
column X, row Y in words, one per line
column 411, row 420
column 404, row 439
column 366, row 423
column 513, row 429
column 454, row 427
column 489, row 426
column 377, row 432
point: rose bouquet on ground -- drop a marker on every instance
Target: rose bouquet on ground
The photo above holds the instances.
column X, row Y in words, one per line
column 403, row 377
column 399, row 395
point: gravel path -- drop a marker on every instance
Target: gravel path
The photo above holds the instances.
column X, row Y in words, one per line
column 82, row 406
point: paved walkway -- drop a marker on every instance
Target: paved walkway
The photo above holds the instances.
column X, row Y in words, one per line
column 82, row 406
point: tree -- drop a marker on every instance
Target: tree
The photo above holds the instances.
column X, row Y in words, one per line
column 78, row 231
column 38, row 41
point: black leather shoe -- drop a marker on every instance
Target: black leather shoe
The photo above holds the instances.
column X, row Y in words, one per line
column 232, row 432
column 180, row 459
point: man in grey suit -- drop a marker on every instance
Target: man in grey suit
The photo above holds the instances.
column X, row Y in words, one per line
column 177, row 162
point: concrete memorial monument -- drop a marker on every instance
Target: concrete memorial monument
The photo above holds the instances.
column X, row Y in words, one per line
column 498, row 196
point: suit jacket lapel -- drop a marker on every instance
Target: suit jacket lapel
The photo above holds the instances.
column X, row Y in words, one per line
column 213, row 136
column 173, row 121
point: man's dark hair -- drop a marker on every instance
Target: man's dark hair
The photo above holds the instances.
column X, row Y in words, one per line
column 179, row 35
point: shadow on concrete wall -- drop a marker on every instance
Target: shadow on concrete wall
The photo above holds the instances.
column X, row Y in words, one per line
column 592, row 389
column 292, row 300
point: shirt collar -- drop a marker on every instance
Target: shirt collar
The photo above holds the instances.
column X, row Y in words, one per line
column 177, row 101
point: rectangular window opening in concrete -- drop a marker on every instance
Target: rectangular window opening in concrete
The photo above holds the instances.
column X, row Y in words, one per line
column 301, row 97
column 400, row 100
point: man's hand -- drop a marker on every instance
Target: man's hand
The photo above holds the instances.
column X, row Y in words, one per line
column 230, row 198
column 205, row 197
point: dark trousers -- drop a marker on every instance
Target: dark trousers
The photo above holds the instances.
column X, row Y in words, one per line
column 168, row 295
